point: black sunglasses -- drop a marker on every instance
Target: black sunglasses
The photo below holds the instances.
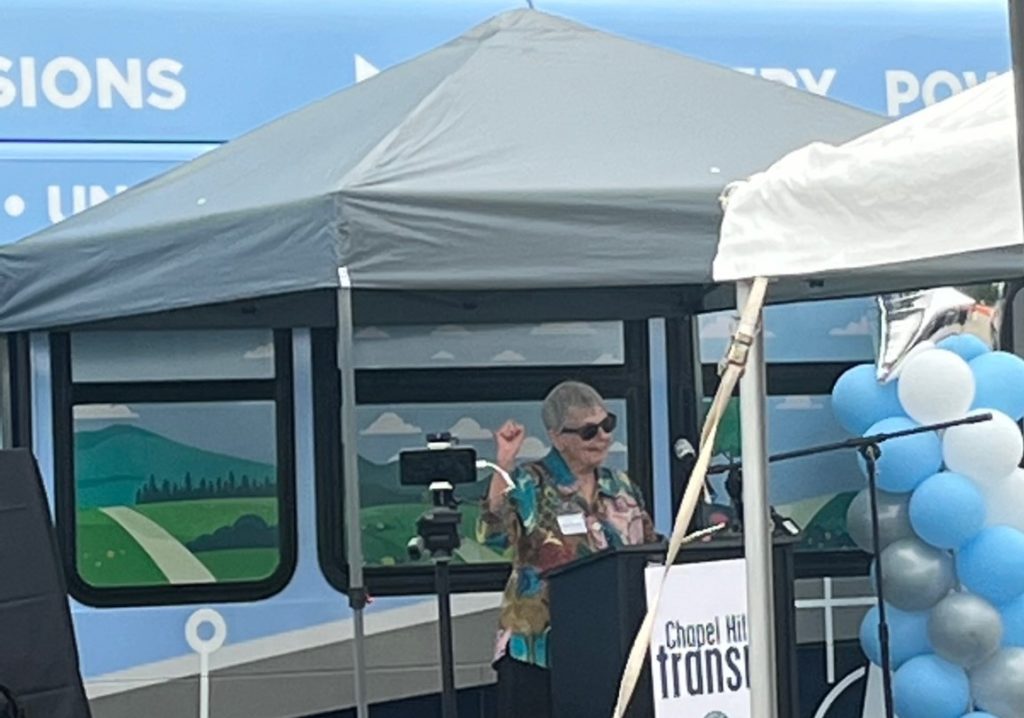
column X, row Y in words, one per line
column 589, row 431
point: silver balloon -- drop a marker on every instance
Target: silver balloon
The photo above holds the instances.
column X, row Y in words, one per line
column 998, row 684
column 893, row 519
column 915, row 575
column 910, row 318
column 965, row 629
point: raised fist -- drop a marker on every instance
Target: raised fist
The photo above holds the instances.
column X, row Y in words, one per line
column 509, row 438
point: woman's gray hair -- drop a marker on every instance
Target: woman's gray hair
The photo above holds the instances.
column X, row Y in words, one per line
column 564, row 398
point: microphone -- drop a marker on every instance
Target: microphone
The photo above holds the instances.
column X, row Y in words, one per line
column 685, row 453
column 683, row 449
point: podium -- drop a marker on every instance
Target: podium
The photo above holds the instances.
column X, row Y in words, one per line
column 598, row 603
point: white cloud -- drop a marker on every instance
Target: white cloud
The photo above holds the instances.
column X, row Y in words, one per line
column 617, row 447
column 859, row 328
column 263, row 351
column 467, row 429
column 508, row 356
column 390, row 424
column 443, row 356
column 451, row 330
column 721, row 325
column 532, row 448
column 608, row 358
column 104, row 411
column 563, row 328
column 371, row 333
column 717, row 326
column 799, row 403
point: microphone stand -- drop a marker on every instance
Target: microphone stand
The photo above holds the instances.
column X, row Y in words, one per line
column 855, row 442
column 438, row 531
column 869, row 448
column 871, row 452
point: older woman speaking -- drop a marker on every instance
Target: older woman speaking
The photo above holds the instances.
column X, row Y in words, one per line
column 562, row 507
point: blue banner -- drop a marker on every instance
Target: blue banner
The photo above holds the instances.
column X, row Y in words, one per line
column 43, row 183
column 119, row 77
column 210, row 71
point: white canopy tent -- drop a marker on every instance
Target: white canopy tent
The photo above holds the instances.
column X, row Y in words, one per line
column 942, row 183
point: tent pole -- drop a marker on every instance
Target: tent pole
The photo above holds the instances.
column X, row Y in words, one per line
column 757, row 533
column 350, row 470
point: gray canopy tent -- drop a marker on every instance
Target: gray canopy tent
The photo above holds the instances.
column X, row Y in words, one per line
column 532, row 159
column 531, row 152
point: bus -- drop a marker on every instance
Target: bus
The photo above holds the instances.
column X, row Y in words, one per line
column 191, row 472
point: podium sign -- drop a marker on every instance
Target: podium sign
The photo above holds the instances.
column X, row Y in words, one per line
column 700, row 650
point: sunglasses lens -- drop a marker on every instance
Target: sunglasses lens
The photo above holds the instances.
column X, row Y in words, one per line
column 589, row 431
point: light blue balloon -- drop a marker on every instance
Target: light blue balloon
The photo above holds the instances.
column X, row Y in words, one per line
column 947, row 510
column 929, row 687
column 999, row 383
column 979, row 714
column 992, row 564
column 858, row 400
column 907, row 461
column 908, row 635
column 965, row 346
column 1013, row 623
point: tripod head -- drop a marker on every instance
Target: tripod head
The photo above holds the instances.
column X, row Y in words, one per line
column 437, row 528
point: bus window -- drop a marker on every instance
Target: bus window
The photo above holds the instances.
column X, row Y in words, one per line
column 486, row 374
column 177, row 481
column 832, row 331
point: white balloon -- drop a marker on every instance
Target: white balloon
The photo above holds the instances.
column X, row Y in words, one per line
column 1004, row 500
column 924, row 346
column 936, row 385
column 984, row 451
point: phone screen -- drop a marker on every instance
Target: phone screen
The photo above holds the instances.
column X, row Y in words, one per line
column 421, row 467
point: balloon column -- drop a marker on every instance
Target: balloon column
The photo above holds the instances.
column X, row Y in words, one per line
column 951, row 519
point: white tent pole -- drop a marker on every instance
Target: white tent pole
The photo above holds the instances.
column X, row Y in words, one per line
column 757, row 534
column 350, row 471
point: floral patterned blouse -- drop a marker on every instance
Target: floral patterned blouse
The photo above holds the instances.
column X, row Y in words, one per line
column 549, row 523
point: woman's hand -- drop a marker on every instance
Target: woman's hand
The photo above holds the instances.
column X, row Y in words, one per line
column 510, row 438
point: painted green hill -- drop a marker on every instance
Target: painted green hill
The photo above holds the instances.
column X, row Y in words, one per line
column 728, row 439
column 112, row 463
column 827, row 530
column 379, row 485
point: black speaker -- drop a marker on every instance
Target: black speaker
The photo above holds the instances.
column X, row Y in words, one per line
column 38, row 656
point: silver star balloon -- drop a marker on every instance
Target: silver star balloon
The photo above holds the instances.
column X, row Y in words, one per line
column 908, row 319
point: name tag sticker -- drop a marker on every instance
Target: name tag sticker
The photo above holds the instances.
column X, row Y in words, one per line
column 572, row 524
